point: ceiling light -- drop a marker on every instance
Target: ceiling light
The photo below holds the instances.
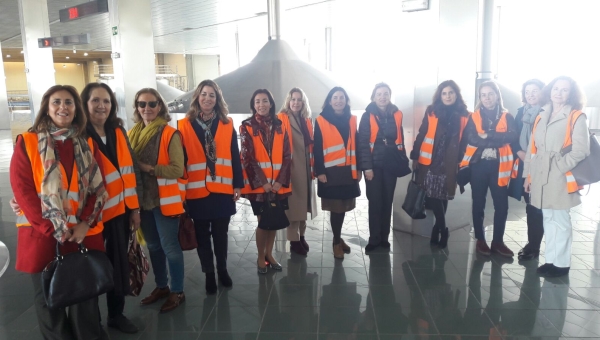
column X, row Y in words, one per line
column 68, row 57
column 8, row 55
column 85, row 54
column 78, row 64
column 74, row 51
column 22, row 51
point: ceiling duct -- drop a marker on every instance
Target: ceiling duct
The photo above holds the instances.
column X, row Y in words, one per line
column 277, row 68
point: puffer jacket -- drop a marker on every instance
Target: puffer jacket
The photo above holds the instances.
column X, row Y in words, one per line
column 369, row 160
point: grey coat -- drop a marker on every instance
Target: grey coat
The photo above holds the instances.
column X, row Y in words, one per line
column 548, row 167
column 303, row 199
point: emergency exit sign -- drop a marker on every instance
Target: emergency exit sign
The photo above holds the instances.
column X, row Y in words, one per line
column 83, row 10
column 115, row 30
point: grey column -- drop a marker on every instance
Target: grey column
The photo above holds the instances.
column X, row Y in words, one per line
column 133, row 52
column 39, row 65
column 4, row 114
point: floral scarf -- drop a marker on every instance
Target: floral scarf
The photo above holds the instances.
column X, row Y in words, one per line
column 53, row 196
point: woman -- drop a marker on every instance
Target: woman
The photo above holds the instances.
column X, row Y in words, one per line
column 267, row 161
column 214, row 177
column 489, row 133
column 56, row 175
column 335, row 153
column 295, row 116
column 380, row 128
column 159, row 151
column 531, row 96
column 124, row 187
column 548, row 171
column 436, row 153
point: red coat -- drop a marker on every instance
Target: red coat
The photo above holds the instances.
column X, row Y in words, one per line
column 36, row 246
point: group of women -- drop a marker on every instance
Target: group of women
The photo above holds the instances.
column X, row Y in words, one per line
column 86, row 180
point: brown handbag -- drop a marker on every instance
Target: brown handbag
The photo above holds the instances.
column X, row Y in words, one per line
column 138, row 266
column 187, row 232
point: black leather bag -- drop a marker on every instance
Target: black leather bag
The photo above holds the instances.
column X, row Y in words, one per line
column 76, row 277
column 272, row 216
column 414, row 202
column 396, row 162
column 338, row 176
column 588, row 170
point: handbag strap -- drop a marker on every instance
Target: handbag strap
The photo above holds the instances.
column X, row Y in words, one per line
column 82, row 249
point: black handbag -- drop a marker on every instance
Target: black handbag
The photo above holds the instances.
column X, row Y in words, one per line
column 338, row 176
column 414, row 202
column 272, row 215
column 588, row 170
column 396, row 162
column 76, row 277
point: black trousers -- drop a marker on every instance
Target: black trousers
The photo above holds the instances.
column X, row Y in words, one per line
column 535, row 225
column 484, row 175
column 80, row 321
column 380, row 193
column 218, row 229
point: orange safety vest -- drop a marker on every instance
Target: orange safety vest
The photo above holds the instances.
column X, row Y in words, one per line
column 120, row 183
column 31, row 145
column 505, row 170
column 571, row 183
column 285, row 119
column 270, row 165
column 375, row 129
column 170, row 191
column 334, row 152
column 426, row 151
column 200, row 182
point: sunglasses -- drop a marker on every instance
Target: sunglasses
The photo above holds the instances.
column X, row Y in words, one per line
column 152, row 105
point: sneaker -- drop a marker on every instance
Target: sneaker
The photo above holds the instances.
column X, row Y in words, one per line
column 482, row 248
column 502, row 249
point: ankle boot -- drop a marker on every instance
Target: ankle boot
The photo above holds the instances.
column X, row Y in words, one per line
column 444, row 239
column 211, row 283
column 304, row 244
column 296, row 247
column 435, row 235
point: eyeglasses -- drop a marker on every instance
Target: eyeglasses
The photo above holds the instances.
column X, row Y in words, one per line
column 152, row 105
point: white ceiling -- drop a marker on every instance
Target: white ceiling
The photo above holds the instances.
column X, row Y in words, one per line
column 193, row 26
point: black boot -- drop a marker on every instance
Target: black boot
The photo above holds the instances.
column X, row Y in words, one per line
column 444, row 239
column 211, row 283
column 225, row 279
column 435, row 236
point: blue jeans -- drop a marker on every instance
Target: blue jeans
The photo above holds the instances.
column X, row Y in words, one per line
column 161, row 235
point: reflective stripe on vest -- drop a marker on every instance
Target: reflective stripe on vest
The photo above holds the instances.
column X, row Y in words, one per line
column 426, row 151
column 285, row 119
column 573, row 116
column 271, row 166
column 199, row 181
column 334, row 152
column 120, row 184
column 170, row 191
column 30, row 140
column 505, row 156
column 374, row 122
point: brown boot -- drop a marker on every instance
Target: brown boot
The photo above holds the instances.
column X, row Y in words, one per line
column 338, row 251
column 345, row 247
column 174, row 300
column 157, row 294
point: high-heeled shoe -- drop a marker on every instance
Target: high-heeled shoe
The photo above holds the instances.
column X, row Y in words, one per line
column 435, row 236
column 261, row 270
column 274, row 265
column 444, row 239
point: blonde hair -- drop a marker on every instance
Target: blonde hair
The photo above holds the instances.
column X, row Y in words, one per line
column 221, row 108
column 305, row 112
column 164, row 112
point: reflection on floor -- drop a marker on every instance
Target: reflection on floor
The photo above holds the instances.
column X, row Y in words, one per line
column 410, row 292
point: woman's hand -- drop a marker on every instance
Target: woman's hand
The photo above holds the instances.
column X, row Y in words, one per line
column 322, row 178
column 521, row 155
column 237, row 193
column 78, row 232
column 268, row 187
column 276, row 186
column 369, row 175
column 145, row 167
column 16, row 208
column 527, row 185
column 134, row 219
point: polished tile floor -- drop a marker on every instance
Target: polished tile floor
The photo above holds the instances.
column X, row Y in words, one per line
column 410, row 292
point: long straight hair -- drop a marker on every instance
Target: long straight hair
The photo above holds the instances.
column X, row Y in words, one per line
column 221, row 108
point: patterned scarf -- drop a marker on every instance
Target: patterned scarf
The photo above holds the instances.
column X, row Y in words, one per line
column 265, row 126
column 141, row 134
column 53, row 196
column 210, row 149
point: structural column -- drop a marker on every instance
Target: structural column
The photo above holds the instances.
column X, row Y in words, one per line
column 4, row 116
column 132, row 52
column 39, row 65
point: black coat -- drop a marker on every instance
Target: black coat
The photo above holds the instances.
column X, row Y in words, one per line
column 494, row 139
column 370, row 160
column 342, row 123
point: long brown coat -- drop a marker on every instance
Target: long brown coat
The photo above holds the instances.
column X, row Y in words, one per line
column 548, row 167
column 303, row 199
